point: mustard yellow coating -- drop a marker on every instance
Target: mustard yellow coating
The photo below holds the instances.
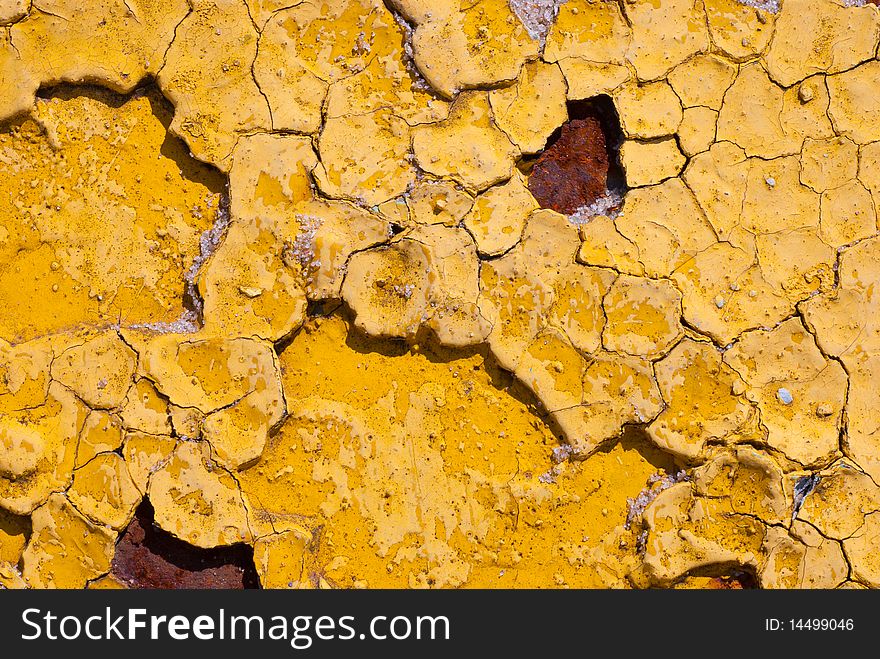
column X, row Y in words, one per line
column 311, row 305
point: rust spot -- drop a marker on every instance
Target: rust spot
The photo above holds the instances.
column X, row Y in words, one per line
column 580, row 164
column 734, row 581
column 148, row 557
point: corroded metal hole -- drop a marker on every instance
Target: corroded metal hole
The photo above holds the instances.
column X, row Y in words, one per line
column 580, row 166
column 148, row 557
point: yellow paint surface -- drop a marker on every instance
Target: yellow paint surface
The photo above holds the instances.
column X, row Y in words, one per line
column 292, row 287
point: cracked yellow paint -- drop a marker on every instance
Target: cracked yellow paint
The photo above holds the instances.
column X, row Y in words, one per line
column 696, row 132
column 115, row 42
column 89, row 223
column 280, row 559
column 664, row 34
column 103, row 490
column 347, row 453
column 208, row 77
column 861, row 548
column 586, row 79
column 102, row 432
column 588, row 30
column 467, row 145
column 145, row 410
column 39, row 449
column 13, row 10
column 197, row 500
column 530, row 110
column 144, row 454
column 499, row 216
column 443, row 202
column 799, row 392
column 14, row 531
column 738, row 29
column 362, row 157
column 802, row 558
column 767, row 121
column 642, row 316
column 295, row 92
column 704, row 401
column 702, row 81
column 841, row 500
column 649, row 163
column 460, row 45
column 851, row 108
column 65, row 549
column 351, row 338
column 683, row 235
column 820, row 36
column 647, row 111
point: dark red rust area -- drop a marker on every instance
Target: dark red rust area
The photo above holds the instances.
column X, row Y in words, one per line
column 148, row 557
column 573, row 171
column 735, row 581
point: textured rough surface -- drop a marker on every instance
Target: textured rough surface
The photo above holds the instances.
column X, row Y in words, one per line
column 353, row 293
column 573, row 171
column 147, row 557
column 91, row 225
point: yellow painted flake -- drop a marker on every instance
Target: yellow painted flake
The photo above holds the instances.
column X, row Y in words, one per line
column 101, row 433
column 840, row 501
column 363, row 157
column 89, row 223
column 104, row 491
column 294, row 92
column 145, row 410
column 592, row 30
column 586, row 79
column 642, row 316
column 738, row 29
column 852, row 107
column 684, row 233
column 649, row 163
column 802, row 558
column 467, row 146
column 647, row 111
column 65, row 549
column 197, row 500
column 13, row 10
column 443, row 202
column 358, row 347
column 38, row 450
column 483, row 42
column 703, row 80
column 664, row 34
column 704, row 400
column 144, row 454
column 861, row 549
column 499, row 216
column 207, row 76
column 533, row 108
column 696, row 132
column 118, row 44
column 820, row 36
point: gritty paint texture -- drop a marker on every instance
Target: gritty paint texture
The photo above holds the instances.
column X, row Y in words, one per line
column 573, row 171
column 147, row 557
column 409, row 294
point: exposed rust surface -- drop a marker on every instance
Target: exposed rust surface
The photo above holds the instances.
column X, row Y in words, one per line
column 573, row 171
column 147, row 557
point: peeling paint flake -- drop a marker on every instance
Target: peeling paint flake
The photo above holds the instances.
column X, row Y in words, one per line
column 401, row 293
